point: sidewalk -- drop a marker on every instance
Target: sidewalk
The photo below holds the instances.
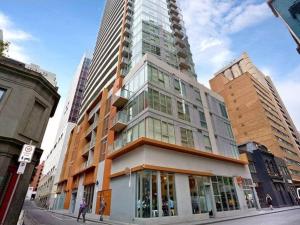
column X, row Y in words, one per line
column 89, row 217
column 95, row 218
column 261, row 212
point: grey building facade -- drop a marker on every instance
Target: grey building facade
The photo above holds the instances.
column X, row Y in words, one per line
column 27, row 101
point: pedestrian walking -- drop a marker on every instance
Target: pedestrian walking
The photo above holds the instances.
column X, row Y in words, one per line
column 269, row 201
column 102, row 208
column 82, row 210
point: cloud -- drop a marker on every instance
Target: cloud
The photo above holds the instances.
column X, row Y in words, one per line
column 17, row 38
column 287, row 89
column 210, row 24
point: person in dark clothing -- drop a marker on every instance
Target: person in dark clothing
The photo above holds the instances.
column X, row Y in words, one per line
column 82, row 210
column 269, row 201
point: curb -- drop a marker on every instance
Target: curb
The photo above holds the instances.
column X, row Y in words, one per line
column 245, row 216
column 87, row 219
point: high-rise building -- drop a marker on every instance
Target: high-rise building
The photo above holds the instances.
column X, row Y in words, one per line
column 257, row 112
column 151, row 140
column 289, row 12
column 47, row 188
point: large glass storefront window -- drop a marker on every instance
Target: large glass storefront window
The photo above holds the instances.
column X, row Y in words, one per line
column 200, row 194
column 146, row 194
column 168, row 194
column 224, row 193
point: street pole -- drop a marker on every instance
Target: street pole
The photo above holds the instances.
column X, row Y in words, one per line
column 12, row 195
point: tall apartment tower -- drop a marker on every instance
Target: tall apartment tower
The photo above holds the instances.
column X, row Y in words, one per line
column 257, row 112
column 47, row 188
column 151, row 140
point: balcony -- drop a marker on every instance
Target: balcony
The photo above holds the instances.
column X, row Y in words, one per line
column 124, row 62
column 120, row 98
column 176, row 25
column 128, row 16
column 129, row 8
column 127, row 32
column 126, row 41
column 175, row 18
column 86, row 150
column 180, row 42
column 123, row 72
column 182, row 53
column 92, row 127
column 126, row 51
column 119, row 122
column 178, row 33
column 173, row 11
column 183, row 64
column 127, row 23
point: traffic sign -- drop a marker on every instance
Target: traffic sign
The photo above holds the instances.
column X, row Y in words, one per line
column 21, row 168
column 27, row 153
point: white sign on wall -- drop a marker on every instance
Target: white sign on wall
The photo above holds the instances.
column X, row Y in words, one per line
column 27, row 153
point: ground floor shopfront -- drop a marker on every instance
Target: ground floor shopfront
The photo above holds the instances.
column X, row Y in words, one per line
column 157, row 196
column 153, row 185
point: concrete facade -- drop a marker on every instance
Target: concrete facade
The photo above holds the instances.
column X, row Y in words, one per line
column 26, row 103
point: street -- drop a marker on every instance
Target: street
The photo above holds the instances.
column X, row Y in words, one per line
column 291, row 217
column 36, row 216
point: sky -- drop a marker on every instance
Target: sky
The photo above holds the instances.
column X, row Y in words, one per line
column 55, row 34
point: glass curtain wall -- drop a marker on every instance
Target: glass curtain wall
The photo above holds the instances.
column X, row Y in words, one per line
column 152, row 32
column 224, row 193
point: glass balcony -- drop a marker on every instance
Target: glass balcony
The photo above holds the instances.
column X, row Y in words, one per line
column 124, row 62
column 126, row 51
column 180, row 42
column 126, row 41
column 119, row 122
column 127, row 32
column 120, row 98
column 182, row 53
column 178, row 33
column 183, row 64
column 176, row 25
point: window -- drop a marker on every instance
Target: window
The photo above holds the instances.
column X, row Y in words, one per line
column 183, row 111
column 224, row 193
column 199, row 187
column 223, row 110
column 157, row 76
column 186, row 137
column 160, row 102
column 180, row 87
column 207, row 143
column 168, row 194
column 202, row 120
column 198, row 96
column 229, row 130
column 160, row 130
column 146, row 194
column 2, row 92
column 252, row 167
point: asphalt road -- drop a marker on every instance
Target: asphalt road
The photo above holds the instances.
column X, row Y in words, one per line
column 36, row 216
column 290, row 217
